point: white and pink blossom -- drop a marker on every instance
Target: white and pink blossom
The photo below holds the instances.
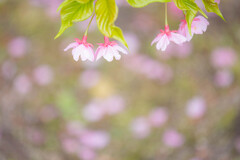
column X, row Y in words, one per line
column 109, row 50
column 81, row 49
column 199, row 25
column 163, row 39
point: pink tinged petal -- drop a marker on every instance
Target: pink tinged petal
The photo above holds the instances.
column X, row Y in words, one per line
column 108, row 55
column 100, row 51
column 117, row 47
column 90, row 54
column 163, row 43
column 177, row 38
column 84, row 54
column 156, row 39
column 76, row 52
column 72, row 45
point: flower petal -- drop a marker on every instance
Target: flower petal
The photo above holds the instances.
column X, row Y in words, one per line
column 117, row 47
column 76, row 52
column 163, row 43
column 72, row 45
column 108, row 55
column 177, row 38
column 156, row 39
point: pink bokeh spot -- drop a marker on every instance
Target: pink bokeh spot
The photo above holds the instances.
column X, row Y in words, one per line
column 173, row 139
column 158, row 117
column 196, row 107
column 17, row 47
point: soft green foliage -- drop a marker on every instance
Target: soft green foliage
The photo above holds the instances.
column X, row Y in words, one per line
column 106, row 15
column 73, row 11
column 212, row 6
column 143, row 3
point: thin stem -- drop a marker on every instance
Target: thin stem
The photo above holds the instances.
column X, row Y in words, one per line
column 86, row 32
column 166, row 17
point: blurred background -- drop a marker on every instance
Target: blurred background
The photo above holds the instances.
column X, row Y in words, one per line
column 182, row 104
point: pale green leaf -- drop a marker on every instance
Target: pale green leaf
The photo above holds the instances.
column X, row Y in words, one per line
column 143, row 3
column 212, row 6
column 74, row 11
column 106, row 15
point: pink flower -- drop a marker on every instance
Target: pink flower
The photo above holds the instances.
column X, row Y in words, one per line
column 81, row 48
column 95, row 139
column 158, row 117
column 196, row 107
column 18, row 47
column 223, row 58
column 22, row 84
column 43, row 75
column 163, row 39
column 140, row 128
column 223, row 78
column 217, row 1
column 108, row 50
column 199, row 25
column 173, row 139
column 86, row 154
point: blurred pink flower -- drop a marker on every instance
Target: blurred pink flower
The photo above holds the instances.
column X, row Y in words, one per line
column 108, row 50
column 196, row 107
column 86, row 154
column 148, row 67
column 199, row 25
column 93, row 111
column 81, row 49
column 17, row 47
column 163, row 39
column 70, row 145
column 43, row 75
column 223, row 57
column 114, row 105
column 9, row 69
column 217, row 1
column 158, row 117
column 140, row 127
column 94, row 139
column 89, row 78
column 22, row 84
column 178, row 51
column 223, row 78
column 172, row 138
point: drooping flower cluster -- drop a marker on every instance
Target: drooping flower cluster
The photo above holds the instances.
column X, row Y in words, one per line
column 108, row 50
column 199, row 25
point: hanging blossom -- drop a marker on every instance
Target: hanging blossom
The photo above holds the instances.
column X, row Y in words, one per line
column 81, row 49
column 108, row 50
column 163, row 39
column 199, row 25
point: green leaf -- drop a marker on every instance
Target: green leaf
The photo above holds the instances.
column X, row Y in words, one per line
column 73, row 11
column 82, row 1
column 106, row 15
column 143, row 3
column 212, row 6
column 190, row 9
